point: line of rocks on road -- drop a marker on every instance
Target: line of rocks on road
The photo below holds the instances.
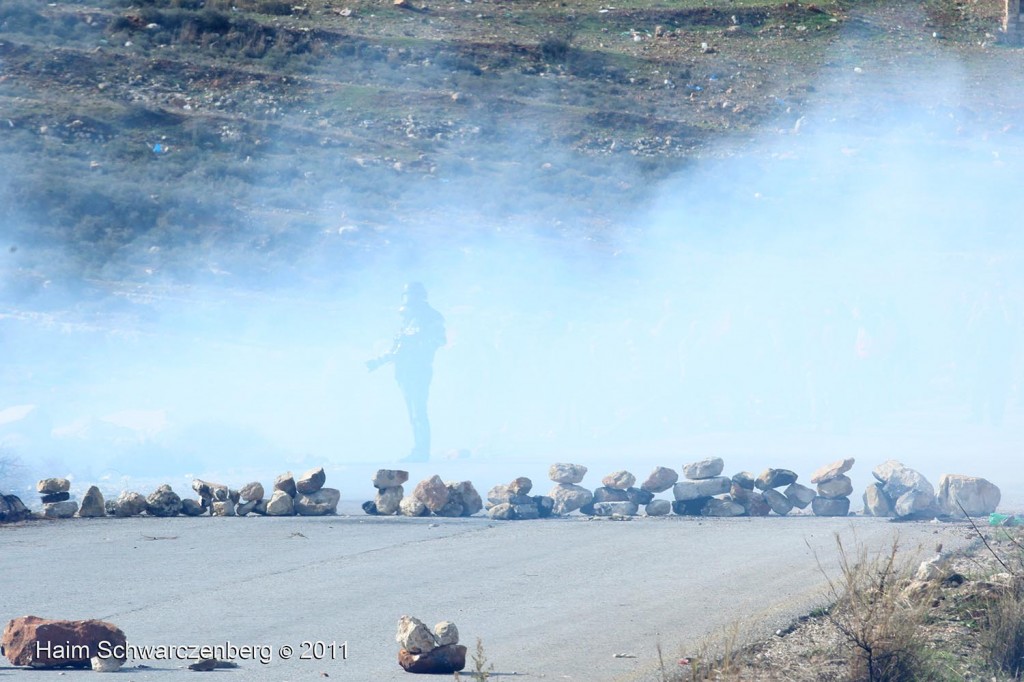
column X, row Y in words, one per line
column 898, row 491
column 304, row 496
column 901, row 492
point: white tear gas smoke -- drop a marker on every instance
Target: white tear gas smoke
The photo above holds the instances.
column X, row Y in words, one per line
column 841, row 292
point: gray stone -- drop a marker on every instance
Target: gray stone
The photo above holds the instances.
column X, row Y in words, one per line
column 744, row 479
column 93, row 505
column 525, row 512
column 410, row 506
column 246, row 508
column 280, row 504
column 723, row 507
column 619, row 480
column 660, row 480
column 210, row 491
column 260, row 507
column 446, row 633
column 413, row 636
column 567, row 473
column 839, row 486
column 251, row 492
column 914, row 502
column 775, row 478
column 605, row 494
column 905, row 479
column 615, row 509
column 885, row 470
column 452, row 508
column 56, row 497
column 130, row 504
column 706, row 468
column 977, row 496
column 799, row 495
column 826, row 506
column 501, row 512
column 190, row 507
column 310, row 482
column 569, row 497
column 876, row 502
column 833, row 470
column 689, row 507
column 432, row 492
column 286, row 484
column 389, row 478
column 695, row 489
column 223, row 508
column 60, row 510
column 369, row 507
column 499, row 494
column 463, row 493
column 519, row 486
column 545, row 505
column 163, row 502
column 778, row 502
column 639, row 496
column 53, row 485
column 12, row 509
column 388, row 500
column 321, row 503
column 658, row 508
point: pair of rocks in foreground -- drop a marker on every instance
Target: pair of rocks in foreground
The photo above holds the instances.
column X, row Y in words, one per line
column 513, row 502
column 436, row 652
column 35, row 642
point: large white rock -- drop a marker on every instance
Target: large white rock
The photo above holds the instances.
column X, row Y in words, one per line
column 129, row 504
column 619, row 480
column 60, row 510
column 389, row 478
column 658, row 508
column 838, row 486
column 778, row 502
column 723, row 507
column 977, row 496
column 414, row 636
column 914, row 502
column 830, row 471
column 446, row 633
column 321, row 503
column 567, row 473
column 706, row 468
column 707, row 487
column 388, row 500
column 280, row 504
column 569, row 497
column 660, row 480
column 411, row 506
column 252, row 492
column 876, row 502
column 799, row 495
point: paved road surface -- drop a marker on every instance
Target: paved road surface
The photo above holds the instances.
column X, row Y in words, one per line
column 552, row 600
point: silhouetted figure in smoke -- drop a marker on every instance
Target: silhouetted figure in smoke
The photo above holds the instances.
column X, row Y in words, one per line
column 422, row 333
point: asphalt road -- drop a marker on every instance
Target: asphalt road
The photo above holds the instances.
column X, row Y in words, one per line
column 554, row 599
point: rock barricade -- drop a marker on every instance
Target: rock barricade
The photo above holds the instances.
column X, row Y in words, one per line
column 834, row 488
column 904, row 491
column 12, row 509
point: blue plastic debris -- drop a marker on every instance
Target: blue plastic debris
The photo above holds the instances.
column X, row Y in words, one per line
column 158, row 148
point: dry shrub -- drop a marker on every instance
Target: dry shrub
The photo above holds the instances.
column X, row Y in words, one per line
column 879, row 622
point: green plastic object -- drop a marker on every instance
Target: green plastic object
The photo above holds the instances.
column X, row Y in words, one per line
column 997, row 519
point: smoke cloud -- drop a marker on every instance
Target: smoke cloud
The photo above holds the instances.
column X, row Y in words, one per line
column 847, row 286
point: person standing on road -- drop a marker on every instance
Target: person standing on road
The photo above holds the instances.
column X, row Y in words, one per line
column 412, row 354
